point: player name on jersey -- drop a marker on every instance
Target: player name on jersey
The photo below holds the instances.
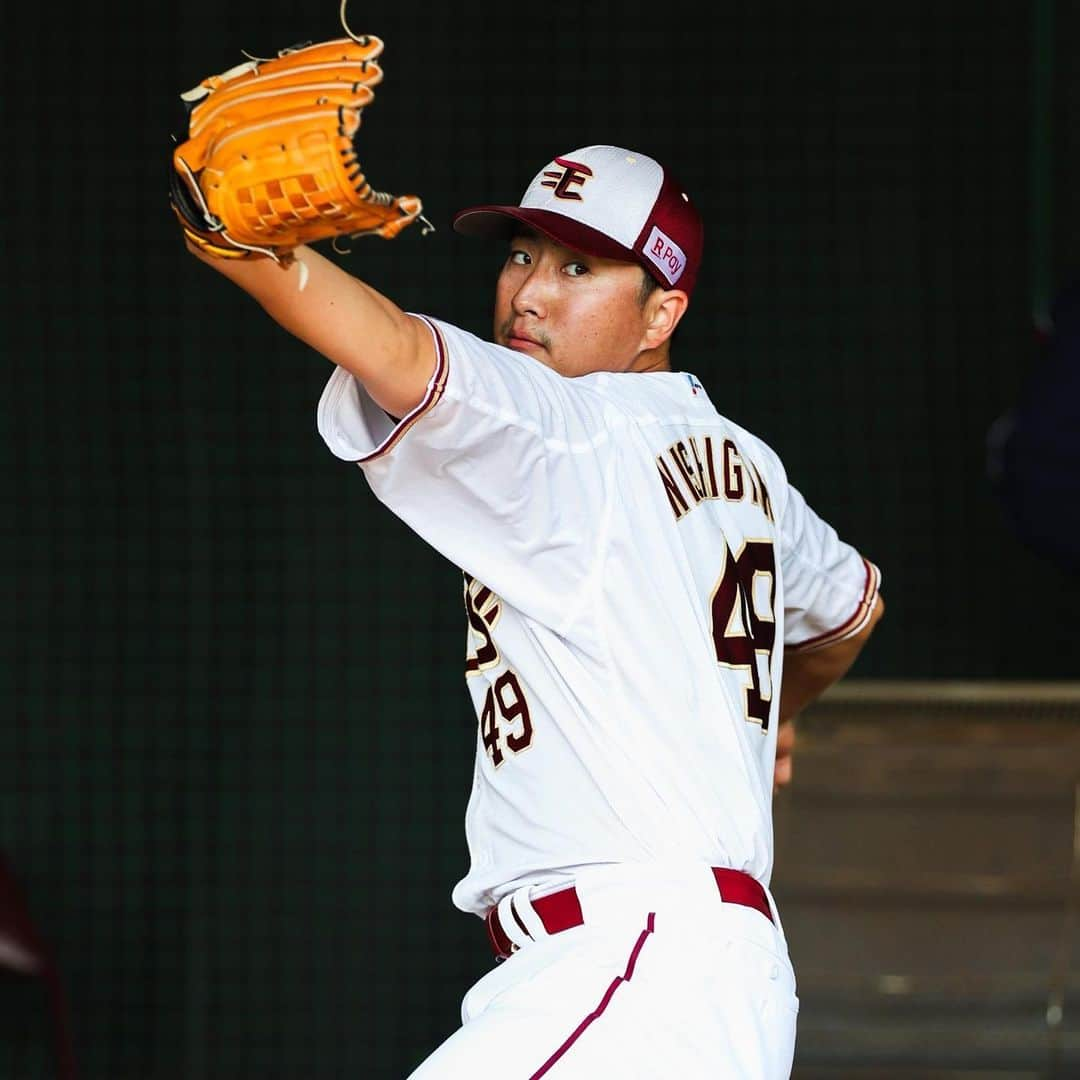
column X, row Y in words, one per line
column 695, row 469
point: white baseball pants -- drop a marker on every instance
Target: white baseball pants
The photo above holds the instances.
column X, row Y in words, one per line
column 664, row 981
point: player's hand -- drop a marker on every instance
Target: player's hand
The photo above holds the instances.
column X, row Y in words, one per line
column 785, row 744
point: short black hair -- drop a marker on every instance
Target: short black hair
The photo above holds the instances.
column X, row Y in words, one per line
column 649, row 285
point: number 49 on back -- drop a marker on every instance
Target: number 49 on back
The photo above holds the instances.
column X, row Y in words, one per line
column 744, row 623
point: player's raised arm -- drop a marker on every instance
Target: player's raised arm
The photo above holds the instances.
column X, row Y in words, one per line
column 270, row 165
column 343, row 318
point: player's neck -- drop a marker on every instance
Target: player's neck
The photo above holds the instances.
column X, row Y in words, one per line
column 652, row 360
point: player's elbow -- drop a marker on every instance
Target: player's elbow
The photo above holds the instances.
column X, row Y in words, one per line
column 858, row 640
column 877, row 610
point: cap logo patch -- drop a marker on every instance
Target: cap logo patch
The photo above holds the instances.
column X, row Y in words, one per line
column 559, row 180
column 665, row 255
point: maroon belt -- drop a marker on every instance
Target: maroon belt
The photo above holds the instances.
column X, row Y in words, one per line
column 562, row 910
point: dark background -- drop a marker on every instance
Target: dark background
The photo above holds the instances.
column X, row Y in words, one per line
column 238, row 744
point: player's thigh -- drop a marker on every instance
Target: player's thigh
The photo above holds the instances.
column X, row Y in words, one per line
column 705, row 1001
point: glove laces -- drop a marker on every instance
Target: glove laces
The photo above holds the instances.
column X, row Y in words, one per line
column 360, row 39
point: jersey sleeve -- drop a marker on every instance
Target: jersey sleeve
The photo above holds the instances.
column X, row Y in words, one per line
column 502, row 468
column 829, row 588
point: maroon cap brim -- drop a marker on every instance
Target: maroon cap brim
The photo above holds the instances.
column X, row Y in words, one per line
column 498, row 222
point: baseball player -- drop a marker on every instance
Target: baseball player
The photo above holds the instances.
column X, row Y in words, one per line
column 649, row 600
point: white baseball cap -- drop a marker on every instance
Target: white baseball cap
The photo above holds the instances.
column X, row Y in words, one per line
column 610, row 202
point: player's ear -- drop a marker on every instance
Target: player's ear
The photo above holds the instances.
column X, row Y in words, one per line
column 663, row 311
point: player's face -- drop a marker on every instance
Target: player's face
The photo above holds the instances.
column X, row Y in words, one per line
column 575, row 313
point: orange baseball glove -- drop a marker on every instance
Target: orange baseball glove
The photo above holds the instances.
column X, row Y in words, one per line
column 270, row 161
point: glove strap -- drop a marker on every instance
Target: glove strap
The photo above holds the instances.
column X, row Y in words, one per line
column 204, row 242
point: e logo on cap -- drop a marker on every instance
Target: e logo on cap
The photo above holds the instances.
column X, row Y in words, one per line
column 572, row 173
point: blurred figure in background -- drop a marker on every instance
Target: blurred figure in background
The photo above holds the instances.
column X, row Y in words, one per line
column 1033, row 449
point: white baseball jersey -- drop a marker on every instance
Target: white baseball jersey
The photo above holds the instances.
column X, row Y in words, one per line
column 634, row 565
